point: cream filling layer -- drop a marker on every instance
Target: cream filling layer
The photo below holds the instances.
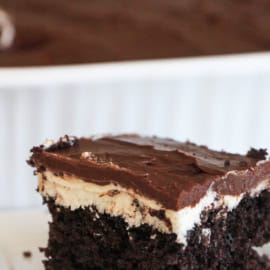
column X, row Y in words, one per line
column 134, row 208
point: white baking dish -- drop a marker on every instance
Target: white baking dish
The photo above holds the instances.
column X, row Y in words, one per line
column 219, row 101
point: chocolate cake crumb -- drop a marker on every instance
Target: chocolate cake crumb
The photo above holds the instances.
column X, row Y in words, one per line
column 63, row 143
column 27, row 254
column 259, row 154
column 30, row 162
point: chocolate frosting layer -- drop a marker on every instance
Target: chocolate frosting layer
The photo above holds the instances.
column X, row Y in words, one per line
column 70, row 32
column 172, row 173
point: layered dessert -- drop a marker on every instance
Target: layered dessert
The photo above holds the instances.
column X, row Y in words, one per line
column 131, row 202
column 82, row 31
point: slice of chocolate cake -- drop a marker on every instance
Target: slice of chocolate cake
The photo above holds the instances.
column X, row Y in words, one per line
column 131, row 202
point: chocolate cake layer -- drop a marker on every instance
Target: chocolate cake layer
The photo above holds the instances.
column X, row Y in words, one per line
column 82, row 31
column 174, row 174
column 86, row 239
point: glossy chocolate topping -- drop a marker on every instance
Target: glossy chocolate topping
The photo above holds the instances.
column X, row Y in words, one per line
column 172, row 173
column 85, row 31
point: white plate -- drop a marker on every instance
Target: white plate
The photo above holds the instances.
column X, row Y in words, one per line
column 22, row 231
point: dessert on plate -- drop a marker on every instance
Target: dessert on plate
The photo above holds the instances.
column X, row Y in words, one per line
column 131, row 202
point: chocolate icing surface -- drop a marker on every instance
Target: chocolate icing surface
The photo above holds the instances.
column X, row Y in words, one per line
column 172, row 173
column 82, row 31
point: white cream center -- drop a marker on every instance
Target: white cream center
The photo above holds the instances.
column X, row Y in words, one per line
column 135, row 209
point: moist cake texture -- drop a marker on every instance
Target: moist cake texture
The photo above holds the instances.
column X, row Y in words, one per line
column 131, row 202
column 82, row 31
